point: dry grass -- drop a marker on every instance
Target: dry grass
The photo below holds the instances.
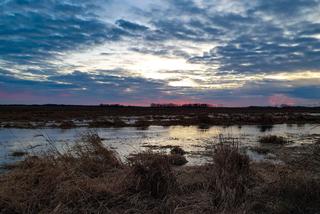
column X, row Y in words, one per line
column 151, row 173
column 282, row 190
column 296, row 193
column 229, row 176
column 54, row 182
column 90, row 178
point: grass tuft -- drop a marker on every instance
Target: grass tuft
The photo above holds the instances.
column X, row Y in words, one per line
column 229, row 176
column 151, row 174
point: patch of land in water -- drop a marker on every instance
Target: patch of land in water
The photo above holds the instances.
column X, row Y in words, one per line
column 126, row 116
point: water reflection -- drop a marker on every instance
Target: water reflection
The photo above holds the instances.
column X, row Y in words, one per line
column 128, row 140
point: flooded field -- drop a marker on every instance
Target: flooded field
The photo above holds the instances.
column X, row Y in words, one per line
column 125, row 141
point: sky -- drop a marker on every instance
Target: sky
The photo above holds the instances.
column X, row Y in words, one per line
column 137, row 52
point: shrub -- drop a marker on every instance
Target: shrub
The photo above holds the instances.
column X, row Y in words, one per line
column 151, row 174
column 229, row 176
column 89, row 156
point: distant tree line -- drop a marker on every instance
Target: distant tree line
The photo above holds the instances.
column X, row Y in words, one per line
column 193, row 105
column 112, row 105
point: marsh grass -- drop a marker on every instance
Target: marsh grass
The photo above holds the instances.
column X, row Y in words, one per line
column 90, row 178
column 229, row 175
column 151, row 173
column 297, row 194
column 285, row 192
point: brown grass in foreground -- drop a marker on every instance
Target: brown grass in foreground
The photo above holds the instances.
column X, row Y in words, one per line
column 229, row 176
column 90, row 178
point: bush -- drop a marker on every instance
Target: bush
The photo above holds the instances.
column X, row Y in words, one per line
column 229, row 176
column 151, row 174
column 89, row 156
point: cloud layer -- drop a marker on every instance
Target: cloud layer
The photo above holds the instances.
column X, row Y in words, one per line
column 106, row 51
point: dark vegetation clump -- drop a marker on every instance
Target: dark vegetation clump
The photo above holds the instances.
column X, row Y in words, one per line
column 142, row 123
column 151, row 173
column 116, row 122
column 100, row 123
column 229, row 176
column 273, row 139
column 203, row 121
column 19, row 153
column 176, row 150
column 66, row 125
column 90, row 157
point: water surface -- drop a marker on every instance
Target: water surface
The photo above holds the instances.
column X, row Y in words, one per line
column 131, row 140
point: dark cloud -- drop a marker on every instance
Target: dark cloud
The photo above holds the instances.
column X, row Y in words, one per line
column 32, row 31
column 130, row 25
column 286, row 8
column 81, row 87
column 260, row 46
